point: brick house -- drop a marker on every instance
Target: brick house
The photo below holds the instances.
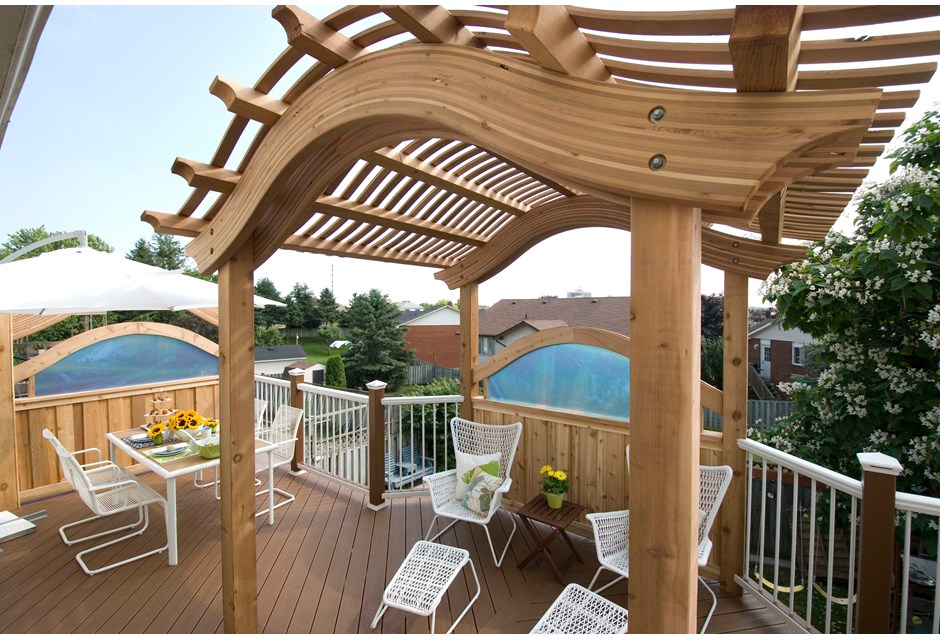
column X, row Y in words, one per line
column 511, row 319
column 775, row 352
column 434, row 334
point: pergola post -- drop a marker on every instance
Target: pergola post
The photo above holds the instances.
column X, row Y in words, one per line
column 734, row 426
column 237, row 462
column 665, row 409
column 9, row 487
column 469, row 345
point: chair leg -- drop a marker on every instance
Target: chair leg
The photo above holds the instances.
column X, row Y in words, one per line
column 439, row 533
column 289, row 497
column 80, row 557
column 141, row 514
column 609, row 584
column 508, row 540
column 378, row 614
column 714, row 603
column 469, row 604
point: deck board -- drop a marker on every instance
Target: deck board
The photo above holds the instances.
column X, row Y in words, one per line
column 322, row 568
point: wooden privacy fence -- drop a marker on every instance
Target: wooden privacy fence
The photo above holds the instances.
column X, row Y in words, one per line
column 81, row 420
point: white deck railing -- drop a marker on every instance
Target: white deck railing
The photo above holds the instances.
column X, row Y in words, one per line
column 337, row 433
column 802, row 541
column 417, row 438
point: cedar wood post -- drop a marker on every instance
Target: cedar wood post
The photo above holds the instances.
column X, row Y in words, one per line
column 9, row 488
column 469, row 345
column 237, row 462
column 297, row 400
column 734, row 426
column 376, row 444
column 876, row 546
column 665, row 410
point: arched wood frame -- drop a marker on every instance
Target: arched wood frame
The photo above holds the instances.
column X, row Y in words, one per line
column 712, row 397
column 719, row 250
column 593, row 136
column 66, row 348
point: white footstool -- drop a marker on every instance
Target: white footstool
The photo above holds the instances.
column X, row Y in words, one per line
column 579, row 611
column 422, row 579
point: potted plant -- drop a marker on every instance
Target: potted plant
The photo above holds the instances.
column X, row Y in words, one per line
column 555, row 485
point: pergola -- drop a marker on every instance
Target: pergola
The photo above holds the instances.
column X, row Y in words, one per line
column 458, row 139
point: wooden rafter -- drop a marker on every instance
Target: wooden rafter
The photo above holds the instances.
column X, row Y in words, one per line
column 551, row 37
column 432, row 23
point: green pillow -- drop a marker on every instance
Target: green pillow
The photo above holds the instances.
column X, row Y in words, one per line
column 480, row 491
column 466, row 463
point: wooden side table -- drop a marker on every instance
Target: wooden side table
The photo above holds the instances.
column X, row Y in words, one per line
column 537, row 510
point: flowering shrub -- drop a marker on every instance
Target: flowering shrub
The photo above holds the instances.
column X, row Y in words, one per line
column 554, row 480
column 872, row 301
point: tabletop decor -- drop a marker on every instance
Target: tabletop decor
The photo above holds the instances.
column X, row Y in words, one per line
column 555, row 485
column 155, row 432
column 189, row 419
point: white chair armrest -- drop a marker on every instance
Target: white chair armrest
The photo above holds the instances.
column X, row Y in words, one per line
column 92, row 449
column 441, row 485
column 611, row 531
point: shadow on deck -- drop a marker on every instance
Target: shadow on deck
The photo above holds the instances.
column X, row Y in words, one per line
column 322, row 568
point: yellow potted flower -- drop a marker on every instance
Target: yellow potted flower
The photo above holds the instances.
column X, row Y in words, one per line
column 156, row 432
column 555, row 485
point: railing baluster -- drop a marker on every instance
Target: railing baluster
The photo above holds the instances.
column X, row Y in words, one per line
column 810, row 584
column 794, row 523
column 905, row 570
column 779, row 503
column 853, row 531
column 829, row 566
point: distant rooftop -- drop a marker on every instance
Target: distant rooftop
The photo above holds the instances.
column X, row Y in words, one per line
column 611, row 313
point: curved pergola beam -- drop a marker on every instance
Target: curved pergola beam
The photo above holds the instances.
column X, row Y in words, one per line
column 593, row 136
column 719, row 250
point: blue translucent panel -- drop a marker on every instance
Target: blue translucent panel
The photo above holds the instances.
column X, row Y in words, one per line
column 124, row 361
column 577, row 378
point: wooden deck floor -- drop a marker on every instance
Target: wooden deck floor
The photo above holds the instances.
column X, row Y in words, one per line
column 322, row 568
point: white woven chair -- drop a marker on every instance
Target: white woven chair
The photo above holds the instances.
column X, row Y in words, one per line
column 475, row 439
column 283, row 432
column 578, row 611
column 612, row 531
column 106, row 489
column 260, row 407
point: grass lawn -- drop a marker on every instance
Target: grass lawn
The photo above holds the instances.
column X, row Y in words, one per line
column 318, row 350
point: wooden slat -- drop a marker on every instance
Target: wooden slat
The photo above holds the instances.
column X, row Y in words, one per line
column 315, row 38
column 9, row 485
column 551, row 37
column 247, row 102
column 206, row 176
column 765, row 45
column 432, row 23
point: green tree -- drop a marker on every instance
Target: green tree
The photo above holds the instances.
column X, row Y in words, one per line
column 872, row 301
column 301, row 307
column 330, row 332
column 327, row 310
column 161, row 251
column 378, row 348
column 268, row 337
column 713, row 315
column 335, row 372
column 27, row 236
column 433, row 420
column 712, row 361
column 269, row 315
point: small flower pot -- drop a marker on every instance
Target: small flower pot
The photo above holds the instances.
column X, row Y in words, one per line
column 554, row 500
column 158, row 439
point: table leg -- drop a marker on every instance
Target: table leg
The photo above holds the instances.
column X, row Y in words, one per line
column 542, row 547
column 112, row 452
column 171, row 520
column 564, row 534
column 270, row 487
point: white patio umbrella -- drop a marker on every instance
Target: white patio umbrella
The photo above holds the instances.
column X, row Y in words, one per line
column 82, row 280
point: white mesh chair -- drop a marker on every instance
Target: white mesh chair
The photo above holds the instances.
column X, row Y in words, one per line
column 283, row 432
column 420, row 583
column 106, row 489
column 260, row 407
column 475, row 439
column 612, row 531
column 579, row 611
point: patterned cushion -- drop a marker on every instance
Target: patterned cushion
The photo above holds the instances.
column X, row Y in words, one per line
column 467, row 463
column 480, row 491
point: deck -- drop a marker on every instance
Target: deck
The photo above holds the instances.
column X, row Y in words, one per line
column 321, row 569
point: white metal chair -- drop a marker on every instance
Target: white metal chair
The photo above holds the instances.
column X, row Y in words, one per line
column 580, row 611
column 106, row 489
column 474, row 439
column 260, row 407
column 612, row 531
column 283, row 432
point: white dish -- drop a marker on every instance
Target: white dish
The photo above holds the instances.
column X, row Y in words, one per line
column 169, row 450
column 141, row 438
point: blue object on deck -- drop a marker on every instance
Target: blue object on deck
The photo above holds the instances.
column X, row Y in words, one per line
column 577, row 378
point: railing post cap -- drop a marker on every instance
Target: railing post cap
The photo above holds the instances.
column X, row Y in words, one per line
column 879, row 463
column 375, row 385
column 296, row 372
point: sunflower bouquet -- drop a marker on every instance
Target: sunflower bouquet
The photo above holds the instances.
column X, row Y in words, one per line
column 188, row 419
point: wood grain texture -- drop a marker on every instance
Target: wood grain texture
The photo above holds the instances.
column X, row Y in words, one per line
column 9, row 484
column 469, row 345
column 362, row 104
column 765, row 47
column 665, row 405
column 550, row 36
column 237, row 460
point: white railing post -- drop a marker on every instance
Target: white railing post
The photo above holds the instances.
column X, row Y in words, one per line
column 877, row 548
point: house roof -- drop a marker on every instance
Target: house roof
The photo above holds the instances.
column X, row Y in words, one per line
column 408, row 317
column 611, row 313
column 775, row 325
column 281, row 352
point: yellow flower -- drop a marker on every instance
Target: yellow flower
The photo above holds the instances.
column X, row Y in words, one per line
column 156, row 429
column 546, row 469
column 561, row 475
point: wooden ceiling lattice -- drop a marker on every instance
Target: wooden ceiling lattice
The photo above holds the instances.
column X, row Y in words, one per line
column 438, row 202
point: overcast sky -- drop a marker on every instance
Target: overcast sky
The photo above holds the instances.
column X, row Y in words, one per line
column 116, row 93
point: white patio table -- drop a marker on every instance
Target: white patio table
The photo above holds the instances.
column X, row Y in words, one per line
column 173, row 469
